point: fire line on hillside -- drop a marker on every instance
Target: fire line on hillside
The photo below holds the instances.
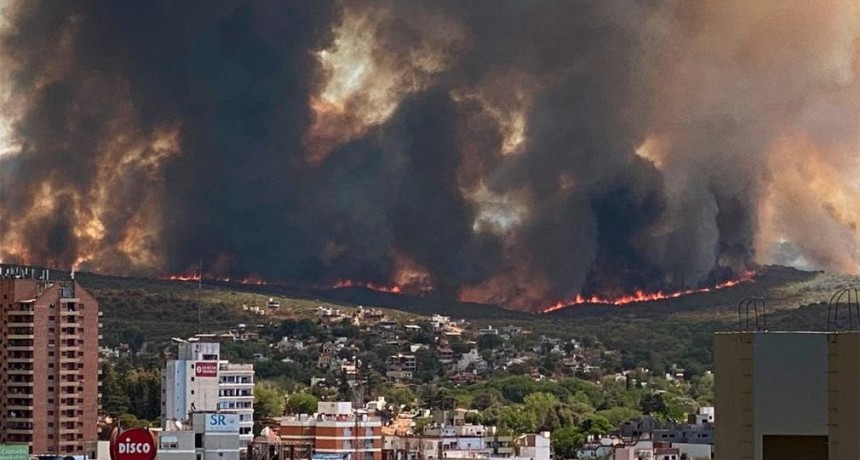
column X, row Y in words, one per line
column 642, row 296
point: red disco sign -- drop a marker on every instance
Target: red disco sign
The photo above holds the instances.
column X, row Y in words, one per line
column 206, row 369
column 133, row 444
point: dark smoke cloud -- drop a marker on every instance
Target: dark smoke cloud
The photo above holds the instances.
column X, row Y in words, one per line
column 184, row 133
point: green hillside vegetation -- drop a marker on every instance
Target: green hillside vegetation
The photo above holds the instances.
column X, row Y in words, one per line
column 674, row 331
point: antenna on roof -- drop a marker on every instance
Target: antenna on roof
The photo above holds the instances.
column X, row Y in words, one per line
column 846, row 298
column 759, row 311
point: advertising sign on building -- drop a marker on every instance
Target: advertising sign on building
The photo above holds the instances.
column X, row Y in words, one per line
column 19, row 452
column 206, row 369
column 132, row 444
column 222, row 423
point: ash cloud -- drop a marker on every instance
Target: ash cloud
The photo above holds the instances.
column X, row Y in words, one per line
column 510, row 152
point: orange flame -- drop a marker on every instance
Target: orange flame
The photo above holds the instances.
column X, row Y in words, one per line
column 251, row 280
column 642, row 296
column 184, row 278
column 341, row 284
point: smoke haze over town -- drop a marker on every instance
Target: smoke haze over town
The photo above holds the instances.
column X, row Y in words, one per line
column 506, row 152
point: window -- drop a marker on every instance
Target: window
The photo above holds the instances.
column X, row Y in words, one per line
column 169, row 442
column 198, row 441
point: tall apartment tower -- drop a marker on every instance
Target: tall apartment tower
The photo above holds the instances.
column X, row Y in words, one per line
column 49, row 356
column 787, row 395
column 198, row 380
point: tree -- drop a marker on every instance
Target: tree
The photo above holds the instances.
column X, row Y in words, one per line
column 485, row 398
column 427, row 365
column 597, row 425
column 619, row 415
column 268, row 401
column 400, row 396
column 518, row 419
column 302, row 403
column 544, row 406
column 652, row 404
column 551, row 364
column 134, row 337
column 566, row 440
column 444, row 399
column 490, row 342
column 115, row 400
column 130, row 421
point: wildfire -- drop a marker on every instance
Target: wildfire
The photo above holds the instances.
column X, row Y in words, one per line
column 252, row 280
column 341, row 284
column 184, row 278
column 642, row 296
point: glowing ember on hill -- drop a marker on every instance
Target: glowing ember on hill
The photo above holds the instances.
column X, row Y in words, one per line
column 194, row 277
column 641, row 296
column 341, row 284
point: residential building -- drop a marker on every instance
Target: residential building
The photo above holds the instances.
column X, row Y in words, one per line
column 534, row 446
column 450, row 437
column 698, row 430
column 648, row 450
column 787, row 395
column 199, row 381
column 236, row 395
column 472, row 359
column 489, row 330
column 335, row 430
column 401, row 362
column 49, row 358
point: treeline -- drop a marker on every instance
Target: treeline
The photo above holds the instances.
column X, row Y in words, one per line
column 570, row 408
column 131, row 393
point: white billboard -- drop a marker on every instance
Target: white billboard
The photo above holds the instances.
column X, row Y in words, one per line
column 222, row 423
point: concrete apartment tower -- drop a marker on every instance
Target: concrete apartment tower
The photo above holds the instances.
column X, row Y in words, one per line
column 49, row 353
column 198, row 380
column 787, row 395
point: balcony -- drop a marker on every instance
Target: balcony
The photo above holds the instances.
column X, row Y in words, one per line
column 19, row 407
column 20, row 321
column 19, row 312
column 19, row 371
column 20, row 359
column 19, row 427
column 19, row 348
column 26, row 393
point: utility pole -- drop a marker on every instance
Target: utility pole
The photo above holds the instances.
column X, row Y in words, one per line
column 197, row 295
column 357, row 403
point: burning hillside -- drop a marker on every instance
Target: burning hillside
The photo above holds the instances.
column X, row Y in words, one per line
column 503, row 152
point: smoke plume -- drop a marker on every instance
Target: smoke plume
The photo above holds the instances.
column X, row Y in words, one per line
column 509, row 152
